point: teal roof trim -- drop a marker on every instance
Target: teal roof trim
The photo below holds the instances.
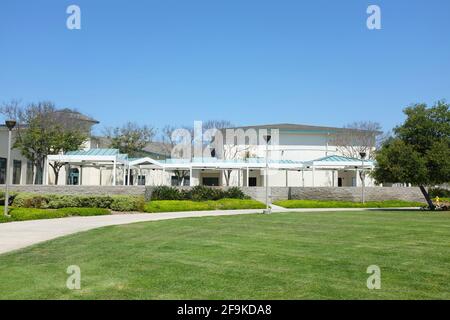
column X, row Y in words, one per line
column 94, row 152
column 339, row 159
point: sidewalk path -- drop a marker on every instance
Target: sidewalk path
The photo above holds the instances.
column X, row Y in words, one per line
column 17, row 235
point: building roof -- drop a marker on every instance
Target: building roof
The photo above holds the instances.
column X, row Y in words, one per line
column 335, row 158
column 72, row 114
column 298, row 128
column 94, row 152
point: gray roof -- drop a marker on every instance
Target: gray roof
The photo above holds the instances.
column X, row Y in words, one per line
column 158, row 148
column 297, row 127
column 76, row 115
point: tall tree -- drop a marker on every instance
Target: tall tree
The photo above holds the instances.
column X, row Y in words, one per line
column 130, row 138
column 419, row 151
column 42, row 131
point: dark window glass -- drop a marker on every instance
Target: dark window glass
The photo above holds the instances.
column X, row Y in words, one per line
column 252, row 182
column 17, row 171
column 211, row 181
column 30, row 172
column 2, row 170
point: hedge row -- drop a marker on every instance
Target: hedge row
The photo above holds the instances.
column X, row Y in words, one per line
column 197, row 193
column 54, row 201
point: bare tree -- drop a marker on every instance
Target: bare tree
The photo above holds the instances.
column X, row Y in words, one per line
column 169, row 145
column 357, row 137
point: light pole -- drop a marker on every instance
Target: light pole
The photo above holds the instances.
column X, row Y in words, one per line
column 267, row 139
column 10, row 124
column 363, row 177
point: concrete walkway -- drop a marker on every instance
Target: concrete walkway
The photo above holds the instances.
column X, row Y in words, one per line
column 17, row 235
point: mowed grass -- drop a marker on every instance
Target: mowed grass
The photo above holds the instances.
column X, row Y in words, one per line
column 278, row 256
column 23, row 214
column 187, row 205
column 346, row 204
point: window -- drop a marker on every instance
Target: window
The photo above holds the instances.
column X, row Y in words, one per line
column 211, row 181
column 2, row 170
column 252, row 182
column 74, row 176
column 17, row 171
column 174, row 181
column 30, row 172
column 141, row 180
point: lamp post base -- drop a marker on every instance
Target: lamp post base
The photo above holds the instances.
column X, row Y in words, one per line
column 267, row 211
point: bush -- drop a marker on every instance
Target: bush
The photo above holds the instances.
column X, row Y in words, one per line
column 166, row 193
column 23, row 214
column 52, row 201
column 202, row 193
column 128, row 203
column 197, row 193
column 439, row 192
column 235, row 193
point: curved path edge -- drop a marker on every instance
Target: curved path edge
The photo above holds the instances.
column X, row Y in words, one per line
column 18, row 235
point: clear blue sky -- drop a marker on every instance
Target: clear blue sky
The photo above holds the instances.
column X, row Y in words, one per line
column 249, row 61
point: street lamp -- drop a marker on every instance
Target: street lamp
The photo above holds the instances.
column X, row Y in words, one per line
column 363, row 177
column 10, row 124
column 267, row 139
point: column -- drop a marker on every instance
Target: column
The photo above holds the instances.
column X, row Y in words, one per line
column 114, row 172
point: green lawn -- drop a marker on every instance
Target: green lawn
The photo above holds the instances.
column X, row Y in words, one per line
column 22, row 214
column 346, row 204
column 278, row 256
column 187, row 205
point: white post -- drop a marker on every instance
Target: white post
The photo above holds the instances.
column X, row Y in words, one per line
column 164, row 176
column 357, row 178
column 239, row 177
column 248, row 177
column 8, row 175
column 45, row 180
column 287, row 178
column 267, row 174
column 303, row 178
column 114, row 172
column 191, row 182
column 313, row 175
column 129, row 174
column 123, row 174
column 363, row 177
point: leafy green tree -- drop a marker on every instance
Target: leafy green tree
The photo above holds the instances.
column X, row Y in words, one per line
column 419, row 151
column 130, row 138
column 43, row 131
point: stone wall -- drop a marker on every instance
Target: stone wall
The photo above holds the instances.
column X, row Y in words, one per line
column 354, row 194
column 78, row 190
column 258, row 193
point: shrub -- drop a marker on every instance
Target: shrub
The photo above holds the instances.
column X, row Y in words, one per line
column 128, row 203
column 28, row 200
column 52, row 201
column 197, row 193
column 439, row 192
column 84, row 211
column 235, row 193
column 202, row 193
column 166, row 193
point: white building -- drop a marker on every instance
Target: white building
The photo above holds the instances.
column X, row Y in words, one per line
column 302, row 156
